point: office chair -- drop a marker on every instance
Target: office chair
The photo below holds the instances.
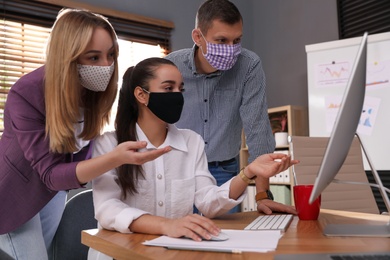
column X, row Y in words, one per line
column 78, row 215
column 338, row 196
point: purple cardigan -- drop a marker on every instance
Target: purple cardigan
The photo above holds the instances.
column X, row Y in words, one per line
column 30, row 175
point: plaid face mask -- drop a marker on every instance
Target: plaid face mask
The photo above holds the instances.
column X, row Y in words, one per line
column 221, row 56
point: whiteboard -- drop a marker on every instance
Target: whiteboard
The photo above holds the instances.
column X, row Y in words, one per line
column 329, row 65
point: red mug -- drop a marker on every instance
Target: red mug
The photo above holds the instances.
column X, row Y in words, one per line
column 305, row 210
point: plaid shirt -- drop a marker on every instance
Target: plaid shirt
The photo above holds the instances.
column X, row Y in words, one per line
column 218, row 105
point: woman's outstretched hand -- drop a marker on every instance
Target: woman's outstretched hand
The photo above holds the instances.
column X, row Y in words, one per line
column 129, row 153
column 124, row 153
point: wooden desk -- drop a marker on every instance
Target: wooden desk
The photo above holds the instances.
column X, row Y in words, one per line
column 301, row 237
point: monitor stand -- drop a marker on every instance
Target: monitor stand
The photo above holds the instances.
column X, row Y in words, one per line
column 360, row 230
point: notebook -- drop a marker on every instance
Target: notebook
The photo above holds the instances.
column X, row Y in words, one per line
column 239, row 241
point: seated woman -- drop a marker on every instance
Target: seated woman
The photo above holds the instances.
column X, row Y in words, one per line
column 158, row 196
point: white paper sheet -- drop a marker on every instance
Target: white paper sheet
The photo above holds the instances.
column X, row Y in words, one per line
column 239, row 241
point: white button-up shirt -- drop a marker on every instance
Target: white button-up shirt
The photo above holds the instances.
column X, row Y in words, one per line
column 173, row 183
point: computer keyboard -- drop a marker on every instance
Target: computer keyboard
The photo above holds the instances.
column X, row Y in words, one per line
column 271, row 222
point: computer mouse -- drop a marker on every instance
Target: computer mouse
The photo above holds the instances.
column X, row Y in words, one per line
column 221, row 237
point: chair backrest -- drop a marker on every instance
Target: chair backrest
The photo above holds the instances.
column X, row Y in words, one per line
column 78, row 215
column 341, row 196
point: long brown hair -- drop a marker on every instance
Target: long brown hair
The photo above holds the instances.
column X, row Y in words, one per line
column 64, row 95
column 127, row 116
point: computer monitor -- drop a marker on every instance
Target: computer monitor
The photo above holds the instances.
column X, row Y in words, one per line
column 340, row 142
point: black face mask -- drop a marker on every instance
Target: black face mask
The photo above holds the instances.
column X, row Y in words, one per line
column 166, row 105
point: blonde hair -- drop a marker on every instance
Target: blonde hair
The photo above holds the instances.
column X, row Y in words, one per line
column 64, row 96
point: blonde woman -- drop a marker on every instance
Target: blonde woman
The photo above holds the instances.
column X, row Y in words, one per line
column 51, row 117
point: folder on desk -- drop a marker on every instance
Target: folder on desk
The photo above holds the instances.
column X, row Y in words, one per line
column 252, row 205
column 282, row 177
column 239, row 241
column 282, row 193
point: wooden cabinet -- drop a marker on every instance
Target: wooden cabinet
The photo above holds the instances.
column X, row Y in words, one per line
column 295, row 123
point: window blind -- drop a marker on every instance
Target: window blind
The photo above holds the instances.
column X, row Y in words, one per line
column 359, row 16
column 44, row 14
column 21, row 51
column 26, row 26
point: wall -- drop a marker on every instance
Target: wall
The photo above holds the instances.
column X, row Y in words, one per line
column 181, row 13
column 282, row 30
column 277, row 30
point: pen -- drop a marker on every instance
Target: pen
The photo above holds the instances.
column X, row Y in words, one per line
column 220, row 250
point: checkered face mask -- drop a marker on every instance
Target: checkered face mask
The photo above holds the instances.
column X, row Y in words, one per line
column 95, row 78
column 221, row 56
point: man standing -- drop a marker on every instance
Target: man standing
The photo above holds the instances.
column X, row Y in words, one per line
column 225, row 93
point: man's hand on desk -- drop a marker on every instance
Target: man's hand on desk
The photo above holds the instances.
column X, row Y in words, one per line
column 267, row 206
